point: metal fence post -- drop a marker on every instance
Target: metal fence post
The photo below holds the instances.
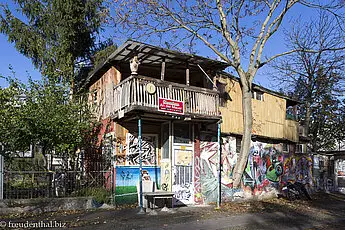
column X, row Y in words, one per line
column 141, row 211
column 219, row 200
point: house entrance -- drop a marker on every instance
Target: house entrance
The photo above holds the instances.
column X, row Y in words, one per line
column 182, row 163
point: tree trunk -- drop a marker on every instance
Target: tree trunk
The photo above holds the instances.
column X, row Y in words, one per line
column 247, row 133
column 307, row 117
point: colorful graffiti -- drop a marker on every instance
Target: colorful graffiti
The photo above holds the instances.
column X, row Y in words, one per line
column 264, row 167
column 229, row 158
column 267, row 169
column 166, row 178
column 198, row 198
column 129, row 153
column 209, row 167
column 298, row 168
column 127, row 179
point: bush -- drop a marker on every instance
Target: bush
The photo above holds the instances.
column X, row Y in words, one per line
column 101, row 195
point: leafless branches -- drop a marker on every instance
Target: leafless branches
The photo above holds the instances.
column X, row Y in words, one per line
column 237, row 31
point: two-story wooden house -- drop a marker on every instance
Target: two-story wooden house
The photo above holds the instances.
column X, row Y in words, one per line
column 174, row 101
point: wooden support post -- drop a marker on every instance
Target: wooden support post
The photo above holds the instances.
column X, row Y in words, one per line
column 187, row 74
column 215, row 83
column 163, row 70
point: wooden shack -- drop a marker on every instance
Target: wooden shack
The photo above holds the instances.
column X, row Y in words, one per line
column 165, row 106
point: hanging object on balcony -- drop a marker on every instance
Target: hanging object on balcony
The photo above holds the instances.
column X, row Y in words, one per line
column 150, row 88
column 134, row 65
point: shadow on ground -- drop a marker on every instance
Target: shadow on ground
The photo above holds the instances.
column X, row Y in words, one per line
column 325, row 211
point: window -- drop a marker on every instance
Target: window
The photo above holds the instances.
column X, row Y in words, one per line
column 258, row 95
column 182, row 133
column 238, row 144
column 224, row 95
column 285, row 147
column 299, row 148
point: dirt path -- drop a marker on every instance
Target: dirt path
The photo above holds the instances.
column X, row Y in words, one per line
column 325, row 211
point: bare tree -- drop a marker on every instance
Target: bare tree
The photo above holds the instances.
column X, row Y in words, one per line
column 315, row 78
column 237, row 31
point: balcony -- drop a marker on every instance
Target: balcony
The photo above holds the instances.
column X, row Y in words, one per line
column 132, row 95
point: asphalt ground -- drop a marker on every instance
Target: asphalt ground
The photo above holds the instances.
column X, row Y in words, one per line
column 324, row 211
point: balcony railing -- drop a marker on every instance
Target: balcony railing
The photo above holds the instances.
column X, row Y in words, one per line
column 132, row 94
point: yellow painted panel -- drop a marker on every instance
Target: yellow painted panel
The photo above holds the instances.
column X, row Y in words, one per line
column 268, row 115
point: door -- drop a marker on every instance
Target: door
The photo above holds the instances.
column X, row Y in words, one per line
column 182, row 164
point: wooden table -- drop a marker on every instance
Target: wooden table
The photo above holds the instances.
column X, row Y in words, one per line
column 153, row 196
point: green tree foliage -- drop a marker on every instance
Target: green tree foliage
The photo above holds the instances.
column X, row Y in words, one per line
column 54, row 34
column 43, row 114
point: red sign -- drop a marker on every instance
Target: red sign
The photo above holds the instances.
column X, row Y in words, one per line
column 170, row 106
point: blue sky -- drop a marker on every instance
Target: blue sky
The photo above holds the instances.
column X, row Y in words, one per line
column 23, row 67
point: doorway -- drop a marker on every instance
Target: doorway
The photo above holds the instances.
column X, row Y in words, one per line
column 182, row 163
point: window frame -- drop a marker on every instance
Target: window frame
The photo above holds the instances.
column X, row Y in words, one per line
column 258, row 95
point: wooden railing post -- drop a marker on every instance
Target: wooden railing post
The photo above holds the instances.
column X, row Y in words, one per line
column 132, row 91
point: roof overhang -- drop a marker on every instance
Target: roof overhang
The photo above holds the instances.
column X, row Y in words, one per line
column 150, row 55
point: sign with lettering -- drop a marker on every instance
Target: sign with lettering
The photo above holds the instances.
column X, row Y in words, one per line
column 170, row 106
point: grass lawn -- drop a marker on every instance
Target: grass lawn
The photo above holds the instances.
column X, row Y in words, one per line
column 126, row 199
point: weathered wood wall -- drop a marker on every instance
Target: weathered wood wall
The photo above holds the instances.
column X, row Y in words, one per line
column 268, row 115
column 104, row 87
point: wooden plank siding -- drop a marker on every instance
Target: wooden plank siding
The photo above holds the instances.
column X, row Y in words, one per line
column 269, row 115
column 104, row 88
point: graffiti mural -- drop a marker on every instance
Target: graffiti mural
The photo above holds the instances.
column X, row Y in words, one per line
column 198, row 197
column 183, row 185
column 127, row 178
column 264, row 167
column 209, row 167
column 166, row 178
column 298, row 168
column 183, row 174
column 129, row 153
column 266, row 170
column 304, row 169
column 229, row 158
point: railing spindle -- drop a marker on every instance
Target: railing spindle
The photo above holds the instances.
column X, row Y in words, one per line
column 132, row 91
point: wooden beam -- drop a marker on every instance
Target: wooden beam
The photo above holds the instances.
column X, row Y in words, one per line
column 163, row 70
column 187, row 74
